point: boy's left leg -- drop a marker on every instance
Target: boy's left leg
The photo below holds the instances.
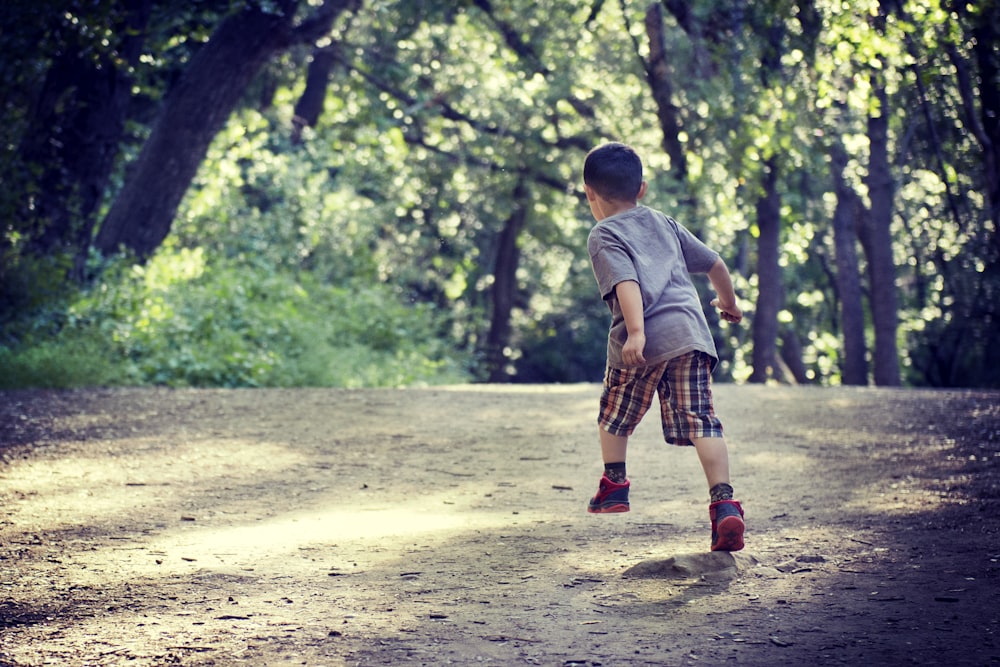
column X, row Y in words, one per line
column 726, row 514
column 689, row 417
column 714, row 458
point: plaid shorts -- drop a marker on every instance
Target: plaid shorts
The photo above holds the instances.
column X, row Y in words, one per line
column 684, row 385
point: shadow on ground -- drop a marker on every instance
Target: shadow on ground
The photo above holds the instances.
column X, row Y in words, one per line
column 447, row 525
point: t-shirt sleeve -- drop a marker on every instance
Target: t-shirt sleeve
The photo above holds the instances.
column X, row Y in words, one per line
column 698, row 257
column 612, row 263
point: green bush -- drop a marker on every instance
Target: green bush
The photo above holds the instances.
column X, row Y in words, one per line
column 179, row 321
column 67, row 361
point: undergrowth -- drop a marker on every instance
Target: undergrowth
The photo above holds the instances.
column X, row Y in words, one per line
column 181, row 321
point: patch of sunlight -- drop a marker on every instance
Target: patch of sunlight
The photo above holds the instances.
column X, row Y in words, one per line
column 80, row 489
column 167, row 268
column 589, row 388
column 902, row 498
column 275, row 542
column 777, row 460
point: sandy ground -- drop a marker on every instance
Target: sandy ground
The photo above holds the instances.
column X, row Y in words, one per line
column 448, row 526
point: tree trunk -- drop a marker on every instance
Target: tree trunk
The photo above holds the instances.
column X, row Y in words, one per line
column 854, row 366
column 194, row 112
column 310, row 104
column 504, row 288
column 75, row 131
column 770, row 293
column 987, row 35
column 658, row 75
column 791, row 355
column 881, row 264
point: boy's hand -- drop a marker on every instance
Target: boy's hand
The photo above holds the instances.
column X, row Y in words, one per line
column 632, row 350
column 730, row 313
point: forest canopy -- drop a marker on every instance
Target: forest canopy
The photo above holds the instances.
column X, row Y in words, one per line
column 388, row 192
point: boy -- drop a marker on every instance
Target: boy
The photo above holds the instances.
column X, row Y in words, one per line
column 659, row 339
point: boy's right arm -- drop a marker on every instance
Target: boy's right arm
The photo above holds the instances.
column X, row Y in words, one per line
column 722, row 283
column 630, row 299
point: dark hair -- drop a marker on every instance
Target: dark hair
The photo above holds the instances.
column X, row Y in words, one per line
column 614, row 171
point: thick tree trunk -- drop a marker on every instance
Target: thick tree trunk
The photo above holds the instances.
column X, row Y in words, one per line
column 881, row 263
column 74, row 135
column 854, row 366
column 193, row 114
column 504, row 289
column 770, row 291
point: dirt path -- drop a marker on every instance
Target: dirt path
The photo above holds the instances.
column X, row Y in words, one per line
column 447, row 526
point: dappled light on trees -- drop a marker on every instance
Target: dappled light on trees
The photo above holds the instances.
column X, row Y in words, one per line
column 841, row 156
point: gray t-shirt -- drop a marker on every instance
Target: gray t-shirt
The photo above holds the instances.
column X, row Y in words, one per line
column 644, row 245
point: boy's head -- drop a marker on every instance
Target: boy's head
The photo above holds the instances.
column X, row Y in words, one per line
column 614, row 172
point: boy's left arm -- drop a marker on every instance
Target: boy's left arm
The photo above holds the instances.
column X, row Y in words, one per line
column 722, row 283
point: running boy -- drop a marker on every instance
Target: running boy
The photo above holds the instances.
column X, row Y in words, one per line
column 659, row 339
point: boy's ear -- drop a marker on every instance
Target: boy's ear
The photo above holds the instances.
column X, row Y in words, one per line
column 591, row 194
column 642, row 191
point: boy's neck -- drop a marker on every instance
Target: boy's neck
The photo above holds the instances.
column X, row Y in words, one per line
column 610, row 208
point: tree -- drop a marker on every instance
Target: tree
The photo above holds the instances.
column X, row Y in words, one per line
column 195, row 111
column 956, row 66
column 435, row 147
column 658, row 75
column 310, row 104
column 504, row 288
column 853, row 219
column 485, row 154
column 849, row 210
column 984, row 122
column 878, row 244
column 75, row 132
column 67, row 147
column 769, row 300
column 741, row 48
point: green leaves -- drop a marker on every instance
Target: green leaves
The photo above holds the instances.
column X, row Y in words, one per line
column 367, row 253
column 180, row 321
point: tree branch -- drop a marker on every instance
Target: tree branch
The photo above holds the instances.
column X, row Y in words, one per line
column 658, row 75
column 512, row 39
column 319, row 24
column 449, row 112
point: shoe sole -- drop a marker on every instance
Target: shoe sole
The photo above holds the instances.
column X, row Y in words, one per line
column 608, row 509
column 730, row 534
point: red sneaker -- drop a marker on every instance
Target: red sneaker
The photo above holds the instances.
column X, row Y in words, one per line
column 611, row 497
column 727, row 525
